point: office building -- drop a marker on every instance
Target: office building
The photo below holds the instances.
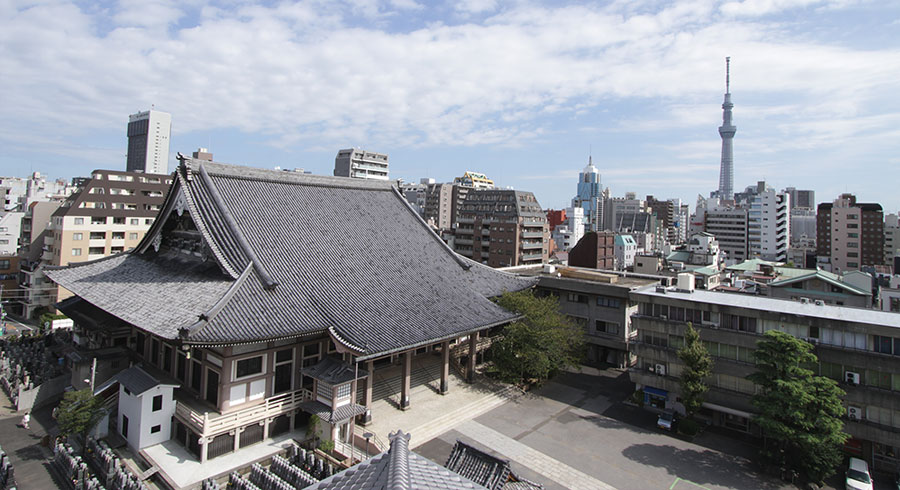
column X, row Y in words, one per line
column 891, row 239
column 149, row 133
column 502, row 228
column 849, row 235
column 729, row 225
column 595, row 251
column 801, row 199
column 856, row 347
column 361, row 164
column 589, row 197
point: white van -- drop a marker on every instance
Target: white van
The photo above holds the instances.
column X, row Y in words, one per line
column 858, row 477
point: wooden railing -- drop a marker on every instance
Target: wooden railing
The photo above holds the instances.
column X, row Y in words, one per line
column 206, row 424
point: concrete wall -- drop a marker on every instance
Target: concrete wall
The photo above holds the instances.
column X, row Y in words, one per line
column 42, row 394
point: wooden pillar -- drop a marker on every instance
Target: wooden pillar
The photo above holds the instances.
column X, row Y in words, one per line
column 367, row 401
column 470, row 368
column 237, row 438
column 445, row 367
column 265, row 423
column 404, row 387
column 204, row 449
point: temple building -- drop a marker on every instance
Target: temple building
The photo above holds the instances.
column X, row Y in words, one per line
column 271, row 296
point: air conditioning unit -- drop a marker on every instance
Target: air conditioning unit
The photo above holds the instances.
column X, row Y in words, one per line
column 851, row 378
column 854, row 413
column 661, row 369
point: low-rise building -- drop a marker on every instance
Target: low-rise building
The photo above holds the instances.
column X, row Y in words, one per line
column 858, row 348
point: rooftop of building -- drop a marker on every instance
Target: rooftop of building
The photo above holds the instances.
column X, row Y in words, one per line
column 243, row 254
column 594, row 276
column 776, row 306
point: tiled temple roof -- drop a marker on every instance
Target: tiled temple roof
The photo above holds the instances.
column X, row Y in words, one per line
column 287, row 254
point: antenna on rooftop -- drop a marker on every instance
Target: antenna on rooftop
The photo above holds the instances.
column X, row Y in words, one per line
column 728, row 74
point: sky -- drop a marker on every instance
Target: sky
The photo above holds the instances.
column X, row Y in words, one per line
column 522, row 91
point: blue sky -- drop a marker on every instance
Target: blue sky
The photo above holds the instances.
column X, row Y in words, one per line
column 522, row 91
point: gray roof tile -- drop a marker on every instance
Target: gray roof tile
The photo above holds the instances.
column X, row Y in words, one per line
column 345, row 256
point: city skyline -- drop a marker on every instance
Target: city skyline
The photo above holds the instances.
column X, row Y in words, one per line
column 524, row 93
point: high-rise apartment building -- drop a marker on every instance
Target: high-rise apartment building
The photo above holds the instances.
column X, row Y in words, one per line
column 361, row 164
column 595, row 251
column 110, row 214
column 673, row 215
column 148, row 142
column 849, row 235
column 568, row 233
column 502, row 227
column 769, row 224
column 729, row 225
column 439, row 205
column 589, row 197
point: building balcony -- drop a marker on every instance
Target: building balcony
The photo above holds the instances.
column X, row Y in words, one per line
column 465, row 253
column 47, row 256
column 531, row 257
column 532, row 245
column 532, row 234
column 485, row 231
column 207, row 424
column 465, row 219
column 463, row 241
column 49, row 241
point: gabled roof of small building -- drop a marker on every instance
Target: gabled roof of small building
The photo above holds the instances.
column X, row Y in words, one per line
column 396, row 469
column 136, row 380
column 243, row 254
column 334, row 371
column 825, row 276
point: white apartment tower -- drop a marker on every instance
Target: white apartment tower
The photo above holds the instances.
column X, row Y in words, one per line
column 769, row 224
column 361, row 164
column 148, row 142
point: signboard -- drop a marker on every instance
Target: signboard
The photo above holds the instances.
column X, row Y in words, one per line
column 64, row 323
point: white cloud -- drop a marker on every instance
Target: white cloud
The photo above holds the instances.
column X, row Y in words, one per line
column 315, row 74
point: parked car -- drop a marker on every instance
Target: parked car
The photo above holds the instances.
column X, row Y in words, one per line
column 858, row 477
column 666, row 420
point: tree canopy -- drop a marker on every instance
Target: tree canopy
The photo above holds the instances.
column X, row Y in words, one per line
column 540, row 344
column 799, row 413
column 697, row 367
column 79, row 412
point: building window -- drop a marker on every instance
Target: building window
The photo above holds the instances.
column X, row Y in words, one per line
column 4, row 264
column 79, row 221
column 609, row 328
column 157, row 403
column 98, row 235
column 125, row 426
column 132, row 236
column 98, row 220
column 119, row 221
column 96, row 250
column 155, row 429
column 609, row 302
column 139, row 343
column 577, row 298
column 149, row 221
column 118, row 235
column 76, row 252
column 343, row 391
column 135, row 221
column 324, row 390
column 248, row 367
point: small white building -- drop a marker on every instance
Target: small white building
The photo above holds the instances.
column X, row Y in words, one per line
column 625, row 250
column 146, row 407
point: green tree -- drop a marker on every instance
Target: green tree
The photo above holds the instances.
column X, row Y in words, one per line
column 799, row 413
column 79, row 411
column 538, row 345
column 697, row 367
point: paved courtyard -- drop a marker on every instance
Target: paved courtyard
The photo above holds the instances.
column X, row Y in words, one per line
column 575, row 433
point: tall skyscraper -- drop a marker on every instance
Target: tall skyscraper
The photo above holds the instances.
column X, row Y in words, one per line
column 361, row 164
column 148, row 142
column 589, row 197
column 726, row 131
